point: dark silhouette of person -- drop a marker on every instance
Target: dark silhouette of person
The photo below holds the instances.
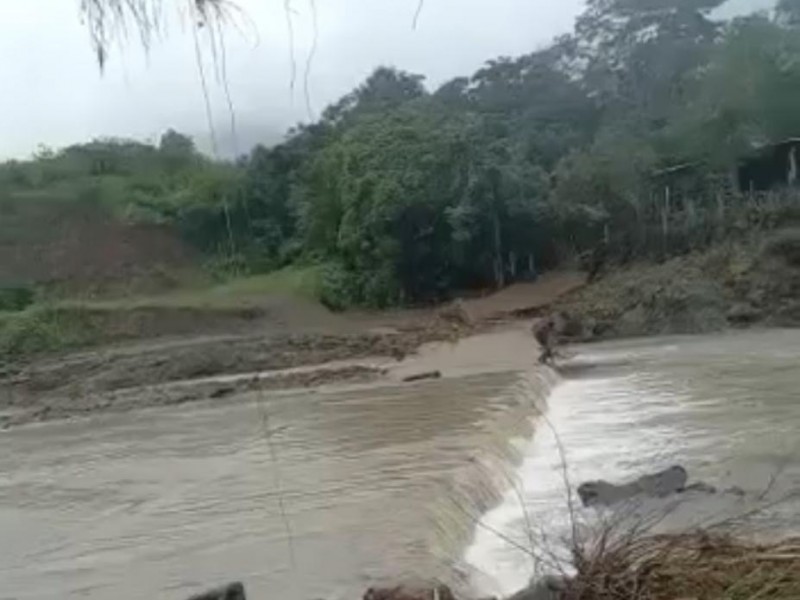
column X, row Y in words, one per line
column 544, row 331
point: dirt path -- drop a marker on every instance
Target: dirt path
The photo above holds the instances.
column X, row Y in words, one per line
column 522, row 299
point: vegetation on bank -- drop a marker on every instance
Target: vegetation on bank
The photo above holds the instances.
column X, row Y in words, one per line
column 700, row 565
column 52, row 326
column 43, row 329
column 401, row 194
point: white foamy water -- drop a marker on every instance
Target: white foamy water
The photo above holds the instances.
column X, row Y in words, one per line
column 724, row 406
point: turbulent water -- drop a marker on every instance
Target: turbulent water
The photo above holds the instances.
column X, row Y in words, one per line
column 725, row 407
column 319, row 494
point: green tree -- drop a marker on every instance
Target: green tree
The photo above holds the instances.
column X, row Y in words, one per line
column 746, row 96
column 635, row 53
column 385, row 89
column 177, row 151
column 376, row 204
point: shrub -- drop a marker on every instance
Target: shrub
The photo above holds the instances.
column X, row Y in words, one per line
column 44, row 329
column 15, row 298
column 337, row 287
column 342, row 288
column 702, row 565
column 784, row 244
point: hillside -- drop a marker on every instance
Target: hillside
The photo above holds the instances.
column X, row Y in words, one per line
column 80, row 246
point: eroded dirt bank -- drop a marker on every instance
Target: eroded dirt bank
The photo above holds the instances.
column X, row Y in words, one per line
column 746, row 284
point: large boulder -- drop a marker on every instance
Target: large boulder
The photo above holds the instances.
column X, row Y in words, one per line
column 656, row 485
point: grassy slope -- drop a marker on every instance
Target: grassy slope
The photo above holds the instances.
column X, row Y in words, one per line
column 69, row 324
column 297, row 282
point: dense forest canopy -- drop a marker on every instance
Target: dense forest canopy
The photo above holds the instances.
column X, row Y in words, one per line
column 405, row 194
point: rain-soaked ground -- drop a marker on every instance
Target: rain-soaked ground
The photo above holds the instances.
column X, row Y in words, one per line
column 317, row 494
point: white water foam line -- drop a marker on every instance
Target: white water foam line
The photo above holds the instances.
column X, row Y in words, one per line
column 589, row 426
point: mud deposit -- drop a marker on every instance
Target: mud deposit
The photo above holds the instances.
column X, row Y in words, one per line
column 141, row 375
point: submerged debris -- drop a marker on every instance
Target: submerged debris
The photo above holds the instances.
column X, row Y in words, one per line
column 410, row 592
column 422, row 376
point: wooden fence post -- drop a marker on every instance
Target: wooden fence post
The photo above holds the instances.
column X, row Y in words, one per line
column 665, row 221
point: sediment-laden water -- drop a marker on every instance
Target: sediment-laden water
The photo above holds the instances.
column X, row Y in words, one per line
column 318, row 494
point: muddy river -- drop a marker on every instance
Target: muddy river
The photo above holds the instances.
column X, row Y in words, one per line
column 318, row 494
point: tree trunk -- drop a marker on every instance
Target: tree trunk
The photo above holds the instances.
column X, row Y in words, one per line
column 665, row 224
column 499, row 270
column 512, row 265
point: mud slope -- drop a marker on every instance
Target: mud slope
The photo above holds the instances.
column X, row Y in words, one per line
column 749, row 284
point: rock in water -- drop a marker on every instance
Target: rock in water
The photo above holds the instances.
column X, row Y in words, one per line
column 701, row 487
column 665, row 483
column 657, row 485
column 232, row 591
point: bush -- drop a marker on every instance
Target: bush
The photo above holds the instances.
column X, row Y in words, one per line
column 44, row 329
column 338, row 287
column 784, row 244
column 702, row 565
column 298, row 281
column 342, row 288
column 221, row 267
column 15, row 298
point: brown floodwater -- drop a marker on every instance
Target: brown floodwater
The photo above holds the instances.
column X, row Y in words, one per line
column 307, row 494
column 318, row 494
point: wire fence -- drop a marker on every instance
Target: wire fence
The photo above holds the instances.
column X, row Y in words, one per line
column 664, row 227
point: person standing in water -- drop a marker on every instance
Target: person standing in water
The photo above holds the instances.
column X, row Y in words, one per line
column 544, row 331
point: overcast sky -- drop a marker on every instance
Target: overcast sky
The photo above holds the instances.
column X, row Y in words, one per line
column 54, row 94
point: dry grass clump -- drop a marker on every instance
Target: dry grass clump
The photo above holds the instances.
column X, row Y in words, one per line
column 695, row 566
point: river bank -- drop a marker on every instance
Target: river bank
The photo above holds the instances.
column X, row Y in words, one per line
column 183, row 354
column 748, row 283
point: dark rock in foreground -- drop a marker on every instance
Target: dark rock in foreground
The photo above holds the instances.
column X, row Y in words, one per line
column 550, row 587
column 407, row 592
column 231, row 591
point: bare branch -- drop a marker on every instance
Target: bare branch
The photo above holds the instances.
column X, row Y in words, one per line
column 287, row 9
column 112, row 21
column 417, row 13
column 311, row 54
